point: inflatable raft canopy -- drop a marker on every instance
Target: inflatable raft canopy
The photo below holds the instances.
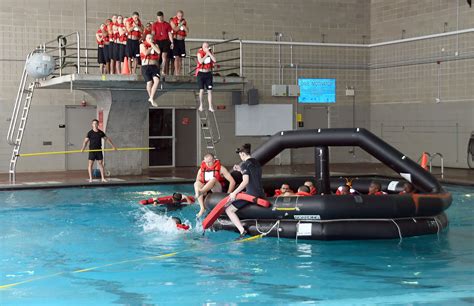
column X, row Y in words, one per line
column 326, row 216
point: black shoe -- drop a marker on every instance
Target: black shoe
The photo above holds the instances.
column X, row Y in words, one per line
column 242, row 236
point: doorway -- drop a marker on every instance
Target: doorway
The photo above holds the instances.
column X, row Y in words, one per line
column 173, row 134
column 78, row 122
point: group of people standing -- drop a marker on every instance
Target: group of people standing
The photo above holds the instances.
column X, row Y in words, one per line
column 158, row 46
column 119, row 38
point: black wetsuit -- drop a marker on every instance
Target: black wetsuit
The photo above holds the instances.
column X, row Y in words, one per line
column 252, row 168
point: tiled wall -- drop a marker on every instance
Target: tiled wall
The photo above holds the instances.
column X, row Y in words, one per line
column 342, row 21
column 382, row 89
column 406, row 79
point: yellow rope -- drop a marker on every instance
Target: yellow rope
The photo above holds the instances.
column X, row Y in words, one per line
column 79, row 151
column 163, row 256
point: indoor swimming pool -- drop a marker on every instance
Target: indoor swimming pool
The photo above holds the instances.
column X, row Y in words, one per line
column 98, row 246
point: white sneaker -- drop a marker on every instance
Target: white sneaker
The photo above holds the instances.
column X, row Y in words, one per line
column 200, row 108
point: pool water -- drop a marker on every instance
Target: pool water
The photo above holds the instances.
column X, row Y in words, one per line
column 48, row 237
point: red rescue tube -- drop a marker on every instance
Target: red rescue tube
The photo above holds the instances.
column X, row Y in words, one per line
column 146, row 202
column 220, row 207
column 182, row 226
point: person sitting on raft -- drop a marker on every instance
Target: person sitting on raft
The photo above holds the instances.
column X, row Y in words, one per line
column 343, row 190
column 284, row 191
column 312, row 188
column 408, row 188
column 303, row 191
column 211, row 176
column 375, row 189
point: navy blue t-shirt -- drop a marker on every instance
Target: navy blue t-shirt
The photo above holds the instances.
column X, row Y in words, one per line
column 252, row 168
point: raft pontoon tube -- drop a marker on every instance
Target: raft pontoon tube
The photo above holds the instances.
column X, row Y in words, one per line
column 331, row 217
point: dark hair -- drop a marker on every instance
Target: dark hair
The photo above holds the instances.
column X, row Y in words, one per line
column 408, row 186
column 177, row 197
column 176, row 219
column 244, row 148
column 95, row 120
column 160, row 13
column 377, row 184
column 135, row 13
column 304, row 188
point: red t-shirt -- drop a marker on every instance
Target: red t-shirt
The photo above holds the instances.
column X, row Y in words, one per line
column 161, row 30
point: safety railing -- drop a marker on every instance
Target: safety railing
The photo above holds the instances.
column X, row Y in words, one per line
column 431, row 157
column 229, row 57
column 17, row 105
column 61, row 46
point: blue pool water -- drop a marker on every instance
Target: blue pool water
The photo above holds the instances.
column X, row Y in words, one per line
column 48, row 236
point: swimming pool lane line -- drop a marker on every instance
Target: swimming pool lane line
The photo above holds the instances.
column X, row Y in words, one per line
column 163, row 256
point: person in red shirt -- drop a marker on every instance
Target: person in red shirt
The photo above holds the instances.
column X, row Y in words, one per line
column 163, row 38
column 150, row 54
column 180, row 31
column 205, row 62
column 134, row 29
column 100, row 38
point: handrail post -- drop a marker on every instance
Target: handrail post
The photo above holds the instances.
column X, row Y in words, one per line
column 241, row 71
column 78, row 38
column 60, row 56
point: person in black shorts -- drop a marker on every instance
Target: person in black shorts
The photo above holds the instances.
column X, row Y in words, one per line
column 251, row 182
column 205, row 63
column 94, row 138
column 180, row 29
column 163, row 38
column 150, row 55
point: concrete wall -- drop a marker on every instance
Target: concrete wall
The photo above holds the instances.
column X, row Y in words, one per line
column 343, row 21
column 406, row 80
column 393, row 99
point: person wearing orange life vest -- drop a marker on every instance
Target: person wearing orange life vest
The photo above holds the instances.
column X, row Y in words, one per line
column 134, row 29
column 312, row 188
column 110, row 30
column 147, row 30
column 120, row 43
column 211, row 176
column 408, row 188
column 205, row 62
column 180, row 31
column 375, row 189
column 150, row 54
column 101, row 59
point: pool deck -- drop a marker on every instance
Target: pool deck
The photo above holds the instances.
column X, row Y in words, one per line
column 188, row 174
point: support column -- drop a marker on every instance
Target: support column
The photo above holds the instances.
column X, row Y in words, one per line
column 321, row 163
column 125, row 117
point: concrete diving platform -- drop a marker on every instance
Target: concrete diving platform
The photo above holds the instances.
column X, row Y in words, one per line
column 123, row 101
column 121, row 82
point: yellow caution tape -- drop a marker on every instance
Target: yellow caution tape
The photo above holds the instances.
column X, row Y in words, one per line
column 79, row 151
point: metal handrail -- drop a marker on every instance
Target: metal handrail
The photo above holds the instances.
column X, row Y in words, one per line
column 16, row 107
column 432, row 157
column 239, row 57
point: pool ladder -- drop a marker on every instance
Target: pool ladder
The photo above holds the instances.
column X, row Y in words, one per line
column 209, row 127
column 23, row 102
column 431, row 157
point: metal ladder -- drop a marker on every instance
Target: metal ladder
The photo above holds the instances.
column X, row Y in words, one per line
column 19, row 128
column 210, row 133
